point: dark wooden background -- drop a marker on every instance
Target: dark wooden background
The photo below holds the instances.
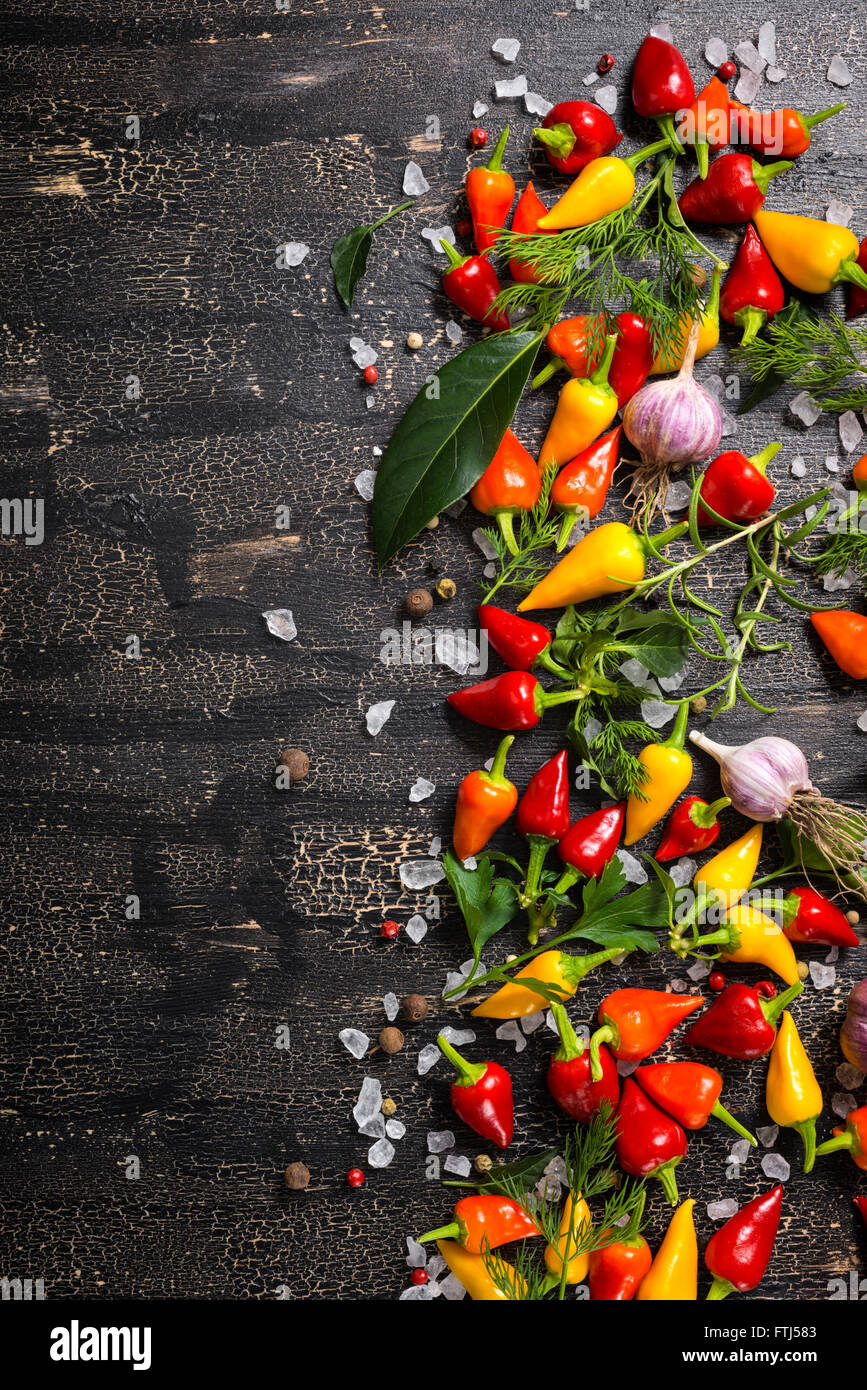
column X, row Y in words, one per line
column 156, row 259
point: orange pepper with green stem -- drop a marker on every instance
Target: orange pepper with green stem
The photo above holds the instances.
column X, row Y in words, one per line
column 586, row 406
column 510, row 484
column 485, row 802
column 603, row 186
column 812, row 255
column 484, row 1221
column 668, row 769
column 526, row 221
column 792, row 1092
column 490, row 193
column 706, row 123
column 851, row 1136
column 581, row 487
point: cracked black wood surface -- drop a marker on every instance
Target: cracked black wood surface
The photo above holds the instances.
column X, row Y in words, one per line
column 155, row 259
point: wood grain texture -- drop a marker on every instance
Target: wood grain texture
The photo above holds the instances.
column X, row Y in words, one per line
column 156, row 259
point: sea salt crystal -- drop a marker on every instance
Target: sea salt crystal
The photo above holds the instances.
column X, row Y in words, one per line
column 842, row 1103
column 454, row 333
column 740, row 1151
column 767, row 44
column 437, row 234
column 427, row 1058
column 280, row 623
column 510, row 1032
column 369, row 1101
column 625, row 1068
column 838, row 72
column 295, row 252
column 823, row 976
column 416, row 1293
column 682, row 871
column 417, row 874
column 364, row 484
column 533, row 1021
column 716, row 51
column 679, row 492
column 662, row 31
column 637, row 673
column 374, row 1128
column 458, row 1164
column 455, row 978
column 435, row 1266
column 767, row 1135
column 435, row 846
column 377, row 452
column 849, row 1076
column 454, row 509
column 489, row 571
column 775, row 1166
column 416, row 928
column 850, row 430
column 804, row 408
column 679, row 986
column 506, row 49
column 698, row 971
column 774, row 74
column 672, row 683
column 414, row 181
column 451, row 1288
column 421, row 789
column 381, row 1154
column 551, row 1022
column 395, row 1129
column 832, row 463
column 861, row 722
column 590, row 79
column 729, row 424
column 390, row 1006
column 480, row 108
column 354, row 1041
column 378, row 715
column 748, row 85
column 750, row 58
column 606, row 97
column 458, row 1037
column 592, row 729
column 832, row 583
column 364, row 355
column 798, row 468
column 370, row 402
column 416, row 1256
column 657, row 713
column 840, row 214
column 536, row 105
column 722, row 1210
column 438, row 1140
column 510, row 87
column 634, row 871
column 471, row 863
column 482, row 542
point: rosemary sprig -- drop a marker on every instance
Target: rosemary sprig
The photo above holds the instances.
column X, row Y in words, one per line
column 822, row 356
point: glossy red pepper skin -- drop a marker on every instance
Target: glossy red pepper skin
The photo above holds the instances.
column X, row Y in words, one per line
column 752, row 292
column 616, row 1271
column 816, row 919
column 856, row 300
column 733, row 191
column 661, row 84
column 490, row 193
column 569, row 1078
column 592, row 841
column 482, row 1097
column 543, row 810
column 685, row 832
column 737, row 1254
column 861, row 1204
column 740, row 1022
column 633, row 357
column 511, row 702
column 521, row 643
column 736, row 487
column 594, row 131
column 689, row 1092
column 649, row 1143
column 472, row 285
column 526, row 220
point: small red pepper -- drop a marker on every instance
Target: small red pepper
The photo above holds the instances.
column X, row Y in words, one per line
column 543, row 819
column 856, row 302
column 650, row 1144
column 783, row 132
column 490, row 192
column 511, row 702
column 484, row 1222
column 691, row 827
column 736, row 486
column 706, row 123
column 569, row 1079
column 510, row 484
column 661, row 85
column 851, row 1136
column 521, row 643
column 576, row 132
column 472, row 284
column 616, row 1270
column 740, row 1022
column 590, row 844
column 630, row 365
column 482, row 1096
column 861, row 1204
column 737, row 1254
column 811, row 917
column 733, row 191
column 526, row 220
column 690, row 1092
column 635, row 1022
column 581, row 486
column 752, row 292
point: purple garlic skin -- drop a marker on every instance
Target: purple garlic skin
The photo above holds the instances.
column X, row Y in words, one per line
column 762, row 778
column 853, row 1034
column 673, row 422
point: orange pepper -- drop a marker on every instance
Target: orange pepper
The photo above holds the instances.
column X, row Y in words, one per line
column 844, row 633
column 485, row 802
column 526, row 220
column 510, row 484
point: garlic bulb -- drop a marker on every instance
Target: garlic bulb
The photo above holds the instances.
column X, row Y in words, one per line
column 674, row 422
column 763, row 777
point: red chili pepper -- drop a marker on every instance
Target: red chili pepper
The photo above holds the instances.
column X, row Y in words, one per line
column 809, row 916
column 630, row 365
column 510, row 484
column 861, row 1204
column 856, row 303
column 691, row 827
column 543, row 819
column 752, row 292
column 569, row 1078
column 526, row 220
column 736, row 486
column 481, row 1096
column 490, row 192
column 616, row 1271
column 844, row 634
column 690, row 1092
column 472, row 284
column 510, row 702
column 590, row 844
column 783, row 132
column 737, row 1254
column 485, row 1221
column 740, row 1022
column 635, row 1022
column 576, row 132
column 706, row 124
column 521, row 643
column 733, row 191
column 661, row 85
column 650, row 1144
column 851, row 1136
column 581, row 486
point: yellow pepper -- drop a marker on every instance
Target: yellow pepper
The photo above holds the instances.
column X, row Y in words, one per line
column 604, row 185
column 577, row 1265
column 792, row 1092
column 812, row 254
column 585, row 407
column 471, row 1271
column 708, row 333
column 729, row 873
column 669, row 769
column 673, row 1276
column 607, row 560
column 760, row 941
column 555, row 968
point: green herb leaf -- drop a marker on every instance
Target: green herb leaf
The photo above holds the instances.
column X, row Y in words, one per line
column 654, row 640
column 350, row 252
column 487, row 904
column 527, row 1171
column 608, row 920
column 448, row 436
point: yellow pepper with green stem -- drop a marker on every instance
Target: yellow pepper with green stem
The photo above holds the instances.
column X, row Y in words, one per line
column 792, row 1092
column 605, row 185
column 574, row 1216
column 669, row 770
column 673, row 1276
column 555, row 968
column 585, row 407
column 813, row 255
column 609, row 559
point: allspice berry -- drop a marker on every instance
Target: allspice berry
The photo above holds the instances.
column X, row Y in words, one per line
column 296, row 763
column 414, row 1008
column 388, row 1106
column 447, row 588
column 482, row 1163
column 853, row 918
column 391, row 1040
column 698, row 705
column 418, row 602
column 414, row 341
column 296, row 1177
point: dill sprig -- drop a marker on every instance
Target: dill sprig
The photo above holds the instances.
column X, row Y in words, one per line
column 822, row 356
column 536, row 533
column 847, row 548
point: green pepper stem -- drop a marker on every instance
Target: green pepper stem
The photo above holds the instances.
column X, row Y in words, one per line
column 772, row 1008
column 706, row 816
column 711, row 308
column 672, row 534
column 719, row 1289
column 566, row 528
column 599, row 375
column 559, row 139
column 560, row 697
column 810, row 121
column 498, row 766
column 846, row 1140
column 495, row 163
column 567, row 879
column 570, row 1048
column 469, row 1073
column 551, row 368
column 770, row 451
column 648, row 151
column 577, row 967
column 456, row 260
column 450, row 1232
column 607, row 1033
column 666, row 125
column 720, row 1112
column 677, row 737
column 546, row 660
column 807, row 1131
column 850, row 270
column 666, row 1176
column 505, row 521
column 763, row 173
column 539, row 846
column 751, row 320
column 702, row 155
